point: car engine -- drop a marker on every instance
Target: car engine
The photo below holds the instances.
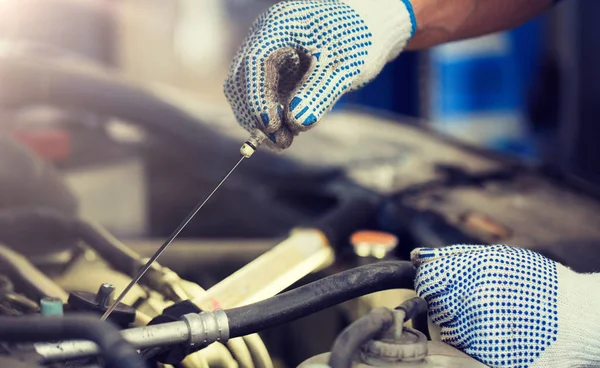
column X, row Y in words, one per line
column 331, row 274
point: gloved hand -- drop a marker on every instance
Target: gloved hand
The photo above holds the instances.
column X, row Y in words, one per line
column 511, row 307
column 302, row 56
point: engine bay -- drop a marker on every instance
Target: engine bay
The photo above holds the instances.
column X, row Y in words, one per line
column 234, row 292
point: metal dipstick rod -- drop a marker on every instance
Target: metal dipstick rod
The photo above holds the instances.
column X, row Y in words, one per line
column 247, row 150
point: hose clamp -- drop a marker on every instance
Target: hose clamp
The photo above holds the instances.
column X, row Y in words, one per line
column 207, row 327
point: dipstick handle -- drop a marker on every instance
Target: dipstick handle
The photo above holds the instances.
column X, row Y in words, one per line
column 253, row 143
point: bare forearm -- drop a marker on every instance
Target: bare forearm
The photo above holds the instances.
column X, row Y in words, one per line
column 440, row 21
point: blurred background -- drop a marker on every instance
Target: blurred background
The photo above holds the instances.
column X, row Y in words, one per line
column 530, row 92
column 113, row 110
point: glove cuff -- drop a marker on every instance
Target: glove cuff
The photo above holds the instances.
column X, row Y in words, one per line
column 577, row 322
column 392, row 23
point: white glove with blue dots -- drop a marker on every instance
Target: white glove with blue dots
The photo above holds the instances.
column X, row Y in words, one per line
column 301, row 56
column 511, row 307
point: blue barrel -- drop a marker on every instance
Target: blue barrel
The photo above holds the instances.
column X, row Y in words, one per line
column 478, row 88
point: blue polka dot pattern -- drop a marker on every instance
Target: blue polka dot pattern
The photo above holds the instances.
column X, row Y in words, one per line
column 329, row 33
column 496, row 303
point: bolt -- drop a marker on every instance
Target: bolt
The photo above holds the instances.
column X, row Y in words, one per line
column 104, row 296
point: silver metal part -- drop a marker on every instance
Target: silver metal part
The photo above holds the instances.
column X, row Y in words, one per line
column 199, row 329
column 142, row 337
column 206, row 328
column 165, row 334
column 253, row 143
column 104, row 295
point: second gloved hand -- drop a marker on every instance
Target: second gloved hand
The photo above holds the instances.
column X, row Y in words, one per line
column 302, row 56
column 511, row 307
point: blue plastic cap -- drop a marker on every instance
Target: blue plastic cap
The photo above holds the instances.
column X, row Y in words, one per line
column 51, row 307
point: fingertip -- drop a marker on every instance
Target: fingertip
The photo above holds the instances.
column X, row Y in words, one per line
column 424, row 255
column 284, row 138
column 310, row 120
column 421, row 255
column 279, row 140
column 300, row 115
column 296, row 101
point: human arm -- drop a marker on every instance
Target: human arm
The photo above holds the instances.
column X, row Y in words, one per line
column 441, row 21
column 301, row 57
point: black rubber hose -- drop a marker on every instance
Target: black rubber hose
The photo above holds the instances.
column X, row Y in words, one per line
column 413, row 307
column 116, row 351
column 358, row 333
column 321, row 294
column 416, row 310
column 16, row 225
column 27, row 278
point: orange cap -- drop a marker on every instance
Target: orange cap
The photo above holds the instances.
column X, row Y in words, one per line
column 373, row 243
